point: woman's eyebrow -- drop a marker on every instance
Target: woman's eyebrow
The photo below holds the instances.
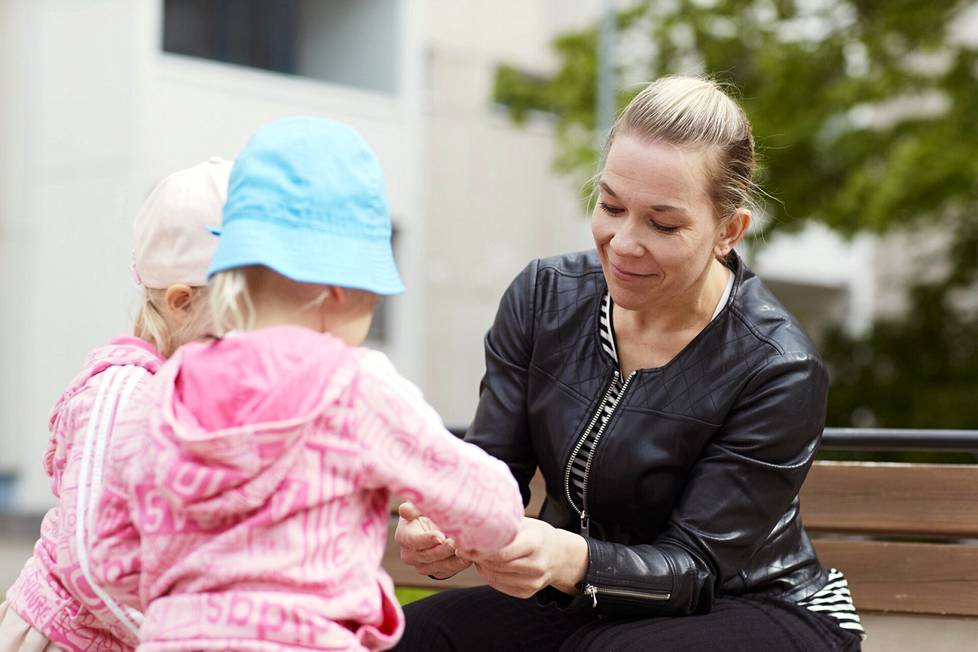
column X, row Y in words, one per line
column 666, row 208
column 659, row 208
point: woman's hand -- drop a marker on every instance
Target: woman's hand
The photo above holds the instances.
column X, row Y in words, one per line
column 424, row 546
column 540, row 555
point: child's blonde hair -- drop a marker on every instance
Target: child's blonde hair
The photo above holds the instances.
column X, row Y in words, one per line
column 152, row 326
column 234, row 294
column 231, row 305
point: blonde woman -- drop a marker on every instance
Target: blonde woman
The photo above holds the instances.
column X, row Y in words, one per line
column 673, row 407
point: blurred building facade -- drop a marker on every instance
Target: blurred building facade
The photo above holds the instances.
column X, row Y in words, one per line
column 100, row 99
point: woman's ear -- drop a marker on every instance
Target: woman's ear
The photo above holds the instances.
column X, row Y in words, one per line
column 732, row 231
column 179, row 298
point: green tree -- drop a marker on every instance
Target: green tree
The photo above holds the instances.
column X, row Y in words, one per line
column 866, row 117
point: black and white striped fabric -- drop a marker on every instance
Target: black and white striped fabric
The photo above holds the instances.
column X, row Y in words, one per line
column 833, row 600
column 607, row 407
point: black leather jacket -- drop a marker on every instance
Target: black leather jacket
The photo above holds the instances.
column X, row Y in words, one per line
column 693, row 487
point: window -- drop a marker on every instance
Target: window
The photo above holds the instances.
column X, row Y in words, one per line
column 351, row 42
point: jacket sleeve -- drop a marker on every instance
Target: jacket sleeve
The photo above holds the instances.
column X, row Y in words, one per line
column 735, row 496
column 115, row 542
column 468, row 494
column 114, row 550
column 501, row 423
column 61, row 425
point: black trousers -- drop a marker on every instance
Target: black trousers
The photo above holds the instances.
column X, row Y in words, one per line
column 482, row 619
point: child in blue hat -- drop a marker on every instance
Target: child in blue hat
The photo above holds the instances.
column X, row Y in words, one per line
column 262, row 499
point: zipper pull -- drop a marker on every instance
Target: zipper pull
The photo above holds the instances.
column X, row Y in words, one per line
column 585, row 525
column 591, row 591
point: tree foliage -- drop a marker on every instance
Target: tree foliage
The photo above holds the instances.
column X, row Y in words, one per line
column 866, row 119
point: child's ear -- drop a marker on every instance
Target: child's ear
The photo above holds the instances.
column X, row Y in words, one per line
column 179, row 298
column 338, row 295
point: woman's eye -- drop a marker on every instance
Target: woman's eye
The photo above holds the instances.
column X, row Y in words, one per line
column 611, row 210
column 662, row 228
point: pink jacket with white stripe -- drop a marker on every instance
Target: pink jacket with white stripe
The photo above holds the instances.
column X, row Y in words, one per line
column 254, row 515
column 55, row 592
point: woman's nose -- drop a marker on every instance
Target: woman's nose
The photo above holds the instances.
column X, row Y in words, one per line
column 624, row 242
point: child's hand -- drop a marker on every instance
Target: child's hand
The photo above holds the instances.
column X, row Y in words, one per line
column 424, row 546
column 540, row 555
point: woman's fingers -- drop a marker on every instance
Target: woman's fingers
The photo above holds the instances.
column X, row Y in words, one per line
column 516, row 585
column 515, row 570
column 443, row 569
column 439, row 552
column 525, row 544
column 423, row 546
column 507, row 555
column 525, row 567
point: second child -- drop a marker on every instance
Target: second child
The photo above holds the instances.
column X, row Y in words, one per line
column 56, row 603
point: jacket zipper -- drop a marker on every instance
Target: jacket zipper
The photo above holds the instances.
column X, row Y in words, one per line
column 577, row 449
column 592, row 592
column 582, row 513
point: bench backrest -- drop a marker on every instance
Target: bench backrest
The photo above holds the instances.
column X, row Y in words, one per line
column 906, row 535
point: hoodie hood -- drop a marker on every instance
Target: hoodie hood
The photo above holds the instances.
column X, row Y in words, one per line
column 238, row 409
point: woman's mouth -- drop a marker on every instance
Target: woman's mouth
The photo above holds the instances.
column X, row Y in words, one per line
column 625, row 275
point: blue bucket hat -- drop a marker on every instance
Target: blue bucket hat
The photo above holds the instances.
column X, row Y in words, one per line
column 306, row 199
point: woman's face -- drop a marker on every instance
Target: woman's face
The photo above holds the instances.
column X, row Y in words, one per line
column 653, row 224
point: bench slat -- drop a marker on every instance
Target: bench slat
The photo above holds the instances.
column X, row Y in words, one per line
column 925, row 578
column 886, row 498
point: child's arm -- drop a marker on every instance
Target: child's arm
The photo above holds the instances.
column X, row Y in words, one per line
column 114, row 548
column 114, row 544
column 471, row 496
column 91, row 445
column 60, row 425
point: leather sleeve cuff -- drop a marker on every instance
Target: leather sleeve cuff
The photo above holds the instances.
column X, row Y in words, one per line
column 629, row 580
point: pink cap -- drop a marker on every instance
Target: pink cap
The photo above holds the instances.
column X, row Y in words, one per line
column 172, row 238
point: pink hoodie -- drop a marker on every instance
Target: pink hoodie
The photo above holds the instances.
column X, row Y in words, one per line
column 259, row 500
column 55, row 592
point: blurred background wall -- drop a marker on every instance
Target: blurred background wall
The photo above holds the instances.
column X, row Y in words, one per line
column 102, row 98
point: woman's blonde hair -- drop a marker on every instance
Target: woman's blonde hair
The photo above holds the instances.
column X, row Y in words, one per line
column 696, row 112
column 152, row 326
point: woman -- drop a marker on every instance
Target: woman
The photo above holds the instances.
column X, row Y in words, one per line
column 673, row 407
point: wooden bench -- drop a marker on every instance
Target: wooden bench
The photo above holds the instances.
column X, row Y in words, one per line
column 906, row 535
